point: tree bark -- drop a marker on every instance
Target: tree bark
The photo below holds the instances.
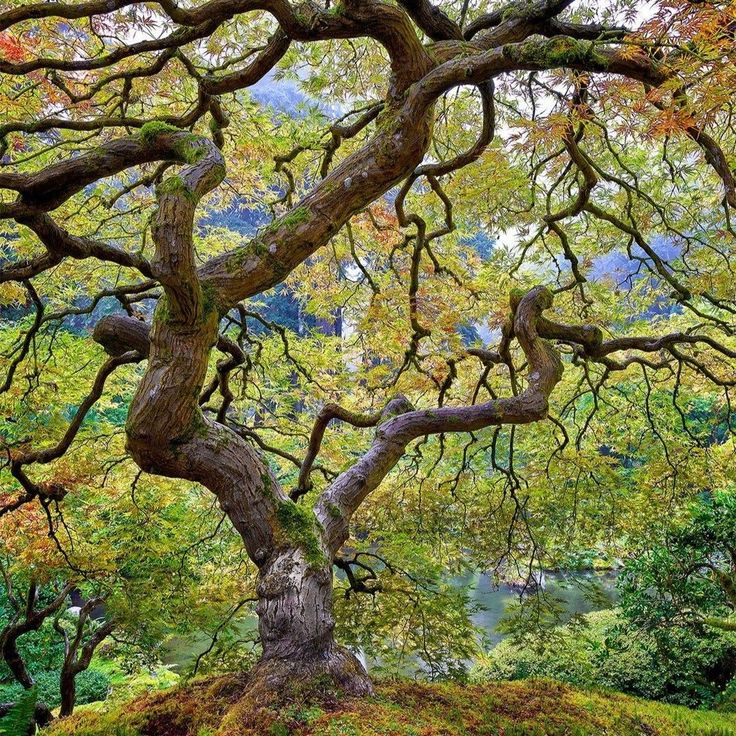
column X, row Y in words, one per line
column 167, row 434
column 68, row 689
column 296, row 626
column 15, row 662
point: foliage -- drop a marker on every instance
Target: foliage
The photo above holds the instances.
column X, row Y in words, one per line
column 603, row 170
column 92, row 685
column 529, row 708
column 726, row 702
column 689, row 579
column 602, row 650
column 154, row 592
column 416, row 622
column 20, row 718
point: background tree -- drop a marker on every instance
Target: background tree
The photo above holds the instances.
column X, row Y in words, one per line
column 689, row 580
column 562, row 99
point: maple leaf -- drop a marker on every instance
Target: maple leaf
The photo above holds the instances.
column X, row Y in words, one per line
column 11, row 48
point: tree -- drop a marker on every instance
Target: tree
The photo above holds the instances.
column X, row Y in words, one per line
column 690, row 579
column 78, row 651
column 27, row 617
column 73, row 73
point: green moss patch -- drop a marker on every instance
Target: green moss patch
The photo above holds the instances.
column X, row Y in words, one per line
column 300, row 526
column 176, row 185
column 151, row 130
column 523, row 708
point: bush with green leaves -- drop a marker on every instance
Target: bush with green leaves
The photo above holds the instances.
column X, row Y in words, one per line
column 689, row 578
column 602, row 650
column 92, row 685
column 726, row 702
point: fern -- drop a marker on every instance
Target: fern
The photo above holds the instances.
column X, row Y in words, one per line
column 18, row 720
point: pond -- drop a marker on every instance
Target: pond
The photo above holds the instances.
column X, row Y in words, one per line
column 578, row 593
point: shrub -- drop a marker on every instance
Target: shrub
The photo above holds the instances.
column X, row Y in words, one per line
column 92, row 685
column 606, row 652
column 726, row 702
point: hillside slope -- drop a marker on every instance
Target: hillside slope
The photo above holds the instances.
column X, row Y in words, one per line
column 526, row 708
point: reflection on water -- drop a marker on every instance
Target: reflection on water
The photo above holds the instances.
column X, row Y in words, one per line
column 578, row 593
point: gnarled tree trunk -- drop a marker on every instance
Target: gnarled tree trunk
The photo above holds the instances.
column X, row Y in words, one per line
column 296, row 625
column 169, row 435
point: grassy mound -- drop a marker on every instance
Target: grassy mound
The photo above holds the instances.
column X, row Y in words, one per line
column 523, row 708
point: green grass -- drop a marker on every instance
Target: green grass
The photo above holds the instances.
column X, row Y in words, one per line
column 522, row 708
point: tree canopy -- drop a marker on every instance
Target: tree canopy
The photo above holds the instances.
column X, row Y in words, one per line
column 405, row 287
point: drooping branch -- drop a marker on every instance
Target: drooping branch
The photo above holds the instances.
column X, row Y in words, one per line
column 26, row 269
column 269, row 56
column 487, row 132
column 28, row 338
column 19, row 460
column 56, row 451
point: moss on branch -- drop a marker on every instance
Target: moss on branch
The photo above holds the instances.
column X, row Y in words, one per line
column 299, row 525
column 151, row 130
column 176, row 185
column 555, row 52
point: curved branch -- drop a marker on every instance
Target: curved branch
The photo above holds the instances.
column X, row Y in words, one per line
column 46, row 189
column 51, row 490
column 432, row 20
column 56, row 451
column 346, row 493
column 61, row 243
column 356, row 419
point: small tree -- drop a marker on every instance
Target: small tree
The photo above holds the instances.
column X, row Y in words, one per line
column 29, row 616
column 79, row 649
